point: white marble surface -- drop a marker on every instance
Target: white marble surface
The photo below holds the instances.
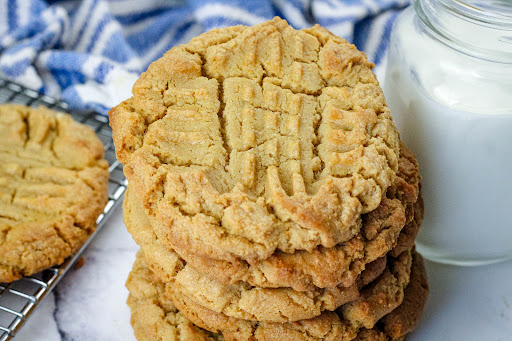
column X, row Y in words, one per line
column 470, row 304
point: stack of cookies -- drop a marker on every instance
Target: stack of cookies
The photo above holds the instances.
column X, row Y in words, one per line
column 269, row 192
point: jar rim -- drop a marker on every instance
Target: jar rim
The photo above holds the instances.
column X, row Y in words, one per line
column 487, row 16
column 449, row 21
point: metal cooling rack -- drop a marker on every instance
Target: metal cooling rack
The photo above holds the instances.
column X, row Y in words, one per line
column 19, row 299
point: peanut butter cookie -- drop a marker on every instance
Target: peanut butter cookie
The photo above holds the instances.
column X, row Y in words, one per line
column 53, row 187
column 254, row 140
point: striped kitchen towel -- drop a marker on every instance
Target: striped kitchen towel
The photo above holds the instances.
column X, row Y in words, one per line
column 89, row 53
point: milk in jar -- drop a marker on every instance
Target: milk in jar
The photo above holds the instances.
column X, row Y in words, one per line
column 449, row 87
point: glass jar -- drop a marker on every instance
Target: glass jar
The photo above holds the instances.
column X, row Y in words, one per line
column 449, row 87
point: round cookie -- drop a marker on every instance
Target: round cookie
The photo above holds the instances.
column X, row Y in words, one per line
column 53, row 187
column 258, row 139
column 158, row 315
column 322, row 267
column 238, row 300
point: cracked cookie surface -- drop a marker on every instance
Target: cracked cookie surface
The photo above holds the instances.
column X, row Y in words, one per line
column 323, row 267
column 258, row 139
column 157, row 317
column 53, row 187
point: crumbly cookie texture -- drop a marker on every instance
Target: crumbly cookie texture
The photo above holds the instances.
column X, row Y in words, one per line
column 381, row 296
column 158, row 317
column 238, row 300
column 257, row 139
column 406, row 317
column 154, row 316
column 53, row 187
column 323, row 267
column 363, row 313
column 408, row 191
column 403, row 319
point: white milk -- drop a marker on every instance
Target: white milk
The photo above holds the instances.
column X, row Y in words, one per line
column 455, row 113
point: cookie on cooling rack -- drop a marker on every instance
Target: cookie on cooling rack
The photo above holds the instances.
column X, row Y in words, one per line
column 53, row 187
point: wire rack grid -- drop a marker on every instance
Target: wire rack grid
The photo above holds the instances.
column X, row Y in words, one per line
column 19, row 299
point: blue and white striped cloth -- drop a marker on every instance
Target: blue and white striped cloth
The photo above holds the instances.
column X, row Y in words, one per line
column 89, row 53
